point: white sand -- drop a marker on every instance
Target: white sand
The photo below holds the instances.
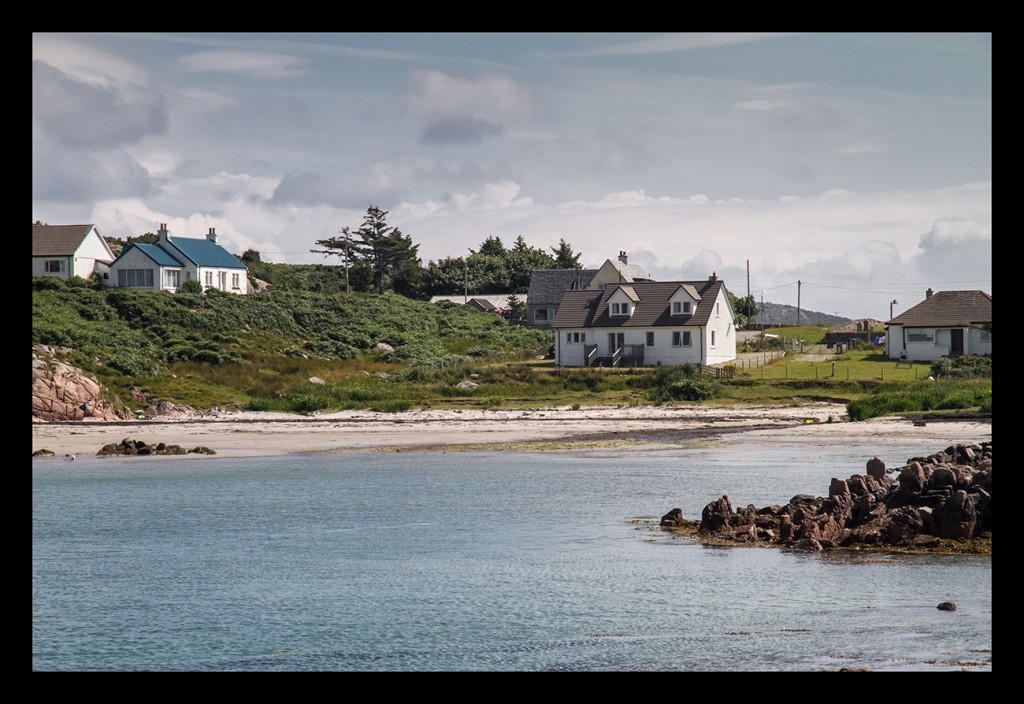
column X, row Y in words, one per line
column 261, row 434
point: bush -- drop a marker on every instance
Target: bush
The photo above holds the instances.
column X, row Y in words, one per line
column 191, row 286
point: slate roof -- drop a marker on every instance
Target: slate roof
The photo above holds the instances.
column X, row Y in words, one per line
column 157, row 254
column 582, row 309
column 630, row 272
column 206, row 253
column 495, row 300
column 57, row 240
column 548, row 285
column 948, row 309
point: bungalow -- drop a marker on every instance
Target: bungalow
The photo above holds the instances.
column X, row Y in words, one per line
column 548, row 285
column 646, row 323
column 69, row 250
column 944, row 324
column 171, row 261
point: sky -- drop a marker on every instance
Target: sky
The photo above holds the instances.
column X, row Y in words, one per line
column 851, row 171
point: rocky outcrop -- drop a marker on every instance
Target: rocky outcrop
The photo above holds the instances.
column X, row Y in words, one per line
column 62, row 392
column 947, row 495
column 131, row 446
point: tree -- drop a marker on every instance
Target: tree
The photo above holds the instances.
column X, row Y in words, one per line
column 250, row 256
column 387, row 249
column 492, row 247
column 565, row 258
column 745, row 308
column 346, row 247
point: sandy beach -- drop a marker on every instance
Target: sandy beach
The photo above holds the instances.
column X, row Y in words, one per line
column 263, row 434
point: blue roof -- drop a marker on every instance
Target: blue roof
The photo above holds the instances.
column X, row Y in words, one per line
column 206, row 253
column 155, row 253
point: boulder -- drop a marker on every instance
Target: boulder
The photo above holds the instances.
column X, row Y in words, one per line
column 673, row 518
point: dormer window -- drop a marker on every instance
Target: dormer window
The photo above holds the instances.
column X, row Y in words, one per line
column 681, row 307
column 620, row 309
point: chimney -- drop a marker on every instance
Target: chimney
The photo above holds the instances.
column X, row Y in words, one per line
column 212, row 234
column 623, row 258
column 713, row 278
column 928, row 293
column 162, row 235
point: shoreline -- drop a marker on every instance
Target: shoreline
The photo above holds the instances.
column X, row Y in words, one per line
column 255, row 434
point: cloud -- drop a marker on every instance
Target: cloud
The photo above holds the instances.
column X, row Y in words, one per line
column 460, row 130
column 379, row 183
column 254, row 64
column 862, row 148
column 76, row 175
column 813, row 118
column 79, row 114
column 955, row 249
column 672, row 43
column 432, row 92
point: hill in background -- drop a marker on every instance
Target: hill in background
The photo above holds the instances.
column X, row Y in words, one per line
column 780, row 314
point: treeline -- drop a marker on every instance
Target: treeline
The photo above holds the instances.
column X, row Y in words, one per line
column 377, row 257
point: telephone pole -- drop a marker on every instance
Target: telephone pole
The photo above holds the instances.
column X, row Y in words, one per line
column 748, row 291
column 798, row 301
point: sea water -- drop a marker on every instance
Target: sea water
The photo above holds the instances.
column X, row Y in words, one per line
column 474, row 561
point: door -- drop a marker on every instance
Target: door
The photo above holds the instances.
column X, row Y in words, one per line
column 956, row 341
column 615, row 341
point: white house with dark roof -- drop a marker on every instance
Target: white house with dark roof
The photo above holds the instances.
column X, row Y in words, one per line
column 547, row 286
column 69, row 250
column 646, row 323
column 172, row 261
column 944, row 324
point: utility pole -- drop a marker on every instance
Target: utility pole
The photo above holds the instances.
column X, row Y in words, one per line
column 798, row 301
column 748, row 290
column 891, row 304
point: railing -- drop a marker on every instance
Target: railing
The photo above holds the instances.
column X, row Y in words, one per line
column 589, row 353
column 616, row 357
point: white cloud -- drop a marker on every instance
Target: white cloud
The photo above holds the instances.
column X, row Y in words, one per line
column 432, row 92
column 255, row 64
column 671, row 43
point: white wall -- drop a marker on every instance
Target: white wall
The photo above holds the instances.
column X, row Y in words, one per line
column 135, row 259
column 222, row 279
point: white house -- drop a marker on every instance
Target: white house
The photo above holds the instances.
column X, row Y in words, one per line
column 69, row 250
column 646, row 323
column 944, row 324
column 172, row 261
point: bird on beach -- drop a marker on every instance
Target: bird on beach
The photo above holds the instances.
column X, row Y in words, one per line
column 69, row 457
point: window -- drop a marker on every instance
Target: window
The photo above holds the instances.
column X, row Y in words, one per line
column 55, row 266
column 681, row 339
column 620, row 309
column 650, row 339
column 135, row 278
column 985, row 336
column 921, row 336
column 172, row 278
column 712, row 338
column 718, row 311
column 234, row 281
column 209, row 278
column 576, row 338
column 681, row 308
column 543, row 315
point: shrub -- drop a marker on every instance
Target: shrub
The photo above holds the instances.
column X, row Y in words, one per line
column 191, row 286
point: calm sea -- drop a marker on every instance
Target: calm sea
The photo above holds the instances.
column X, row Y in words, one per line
column 473, row 561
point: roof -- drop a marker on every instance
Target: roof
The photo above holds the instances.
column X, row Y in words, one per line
column 58, row 240
column 548, row 285
column 154, row 252
column 205, row 252
column 590, row 308
column 630, row 272
column 496, row 300
column 948, row 309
